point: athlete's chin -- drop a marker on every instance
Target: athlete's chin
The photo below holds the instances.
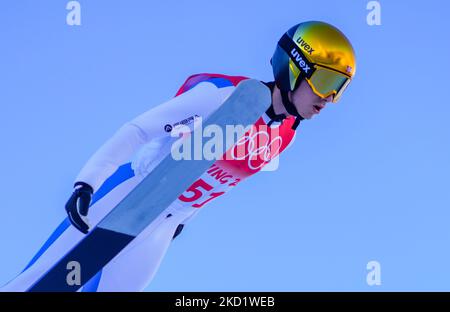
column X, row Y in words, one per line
column 308, row 116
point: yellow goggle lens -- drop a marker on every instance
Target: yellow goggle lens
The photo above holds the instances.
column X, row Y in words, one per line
column 326, row 82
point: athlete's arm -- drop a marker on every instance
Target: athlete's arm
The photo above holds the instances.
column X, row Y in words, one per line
column 201, row 100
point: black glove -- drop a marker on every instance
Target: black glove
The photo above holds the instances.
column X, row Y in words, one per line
column 77, row 206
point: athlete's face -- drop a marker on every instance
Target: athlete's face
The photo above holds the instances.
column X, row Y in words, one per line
column 307, row 102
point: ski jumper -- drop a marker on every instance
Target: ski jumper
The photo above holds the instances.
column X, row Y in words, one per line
column 130, row 154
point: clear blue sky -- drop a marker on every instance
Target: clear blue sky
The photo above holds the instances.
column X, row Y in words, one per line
column 366, row 180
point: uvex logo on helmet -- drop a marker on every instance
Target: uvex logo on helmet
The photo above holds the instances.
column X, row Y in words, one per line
column 300, row 61
column 303, row 44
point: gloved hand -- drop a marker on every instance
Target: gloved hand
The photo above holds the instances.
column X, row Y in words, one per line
column 77, row 206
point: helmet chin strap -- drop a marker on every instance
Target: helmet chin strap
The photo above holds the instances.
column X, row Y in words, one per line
column 291, row 109
column 288, row 105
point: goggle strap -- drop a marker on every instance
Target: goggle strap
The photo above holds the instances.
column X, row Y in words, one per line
column 297, row 56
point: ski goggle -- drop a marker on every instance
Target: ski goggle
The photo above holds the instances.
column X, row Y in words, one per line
column 325, row 82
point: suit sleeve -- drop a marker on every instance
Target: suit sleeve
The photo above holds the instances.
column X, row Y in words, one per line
column 201, row 100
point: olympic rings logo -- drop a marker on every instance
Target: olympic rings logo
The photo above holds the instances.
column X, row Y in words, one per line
column 257, row 147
